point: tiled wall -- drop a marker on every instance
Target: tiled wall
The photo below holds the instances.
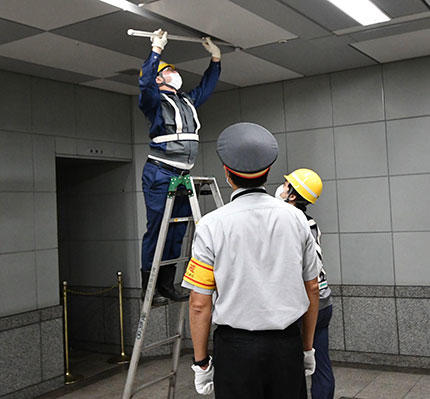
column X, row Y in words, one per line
column 31, row 348
column 367, row 133
column 40, row 120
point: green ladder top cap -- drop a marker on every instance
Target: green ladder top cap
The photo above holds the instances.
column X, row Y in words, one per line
column 175, row 182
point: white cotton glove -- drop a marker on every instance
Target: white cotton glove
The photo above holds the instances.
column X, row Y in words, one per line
column 160, row 40
column 212, row 48
column 309, row 362
column 204, row 379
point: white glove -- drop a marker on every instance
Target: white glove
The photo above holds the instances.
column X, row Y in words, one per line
column 203, row 379
column 212, row 48
column 160, row 40
column 309, row 361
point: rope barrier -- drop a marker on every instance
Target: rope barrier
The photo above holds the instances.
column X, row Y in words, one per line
column 94, row 293
column 122, row 358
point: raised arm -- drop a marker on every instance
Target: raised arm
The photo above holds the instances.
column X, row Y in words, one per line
column 149, row 97
column 210, row 78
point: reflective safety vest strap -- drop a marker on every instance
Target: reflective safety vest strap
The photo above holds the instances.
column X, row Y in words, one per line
column 178, row 118
column 175, row 137
column 316, row 232
column 196, row 118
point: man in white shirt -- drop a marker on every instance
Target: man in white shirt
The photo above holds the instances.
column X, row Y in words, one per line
column 256, row 257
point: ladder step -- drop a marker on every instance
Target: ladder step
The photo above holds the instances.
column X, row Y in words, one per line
column 198, row 179
column 180, row 220
column 153, row 382
column 170, row 261
column 166, row 341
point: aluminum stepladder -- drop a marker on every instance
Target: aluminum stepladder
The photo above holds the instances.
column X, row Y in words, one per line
column 194, row 186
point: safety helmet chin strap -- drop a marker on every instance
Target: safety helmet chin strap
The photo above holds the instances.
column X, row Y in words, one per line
column 299, row 202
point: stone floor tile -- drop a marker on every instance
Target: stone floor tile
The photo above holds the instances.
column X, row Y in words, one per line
column 350, row 381
column 421, row 389
column 389, row 385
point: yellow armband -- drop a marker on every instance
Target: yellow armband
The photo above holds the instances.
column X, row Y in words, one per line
column 200, row 274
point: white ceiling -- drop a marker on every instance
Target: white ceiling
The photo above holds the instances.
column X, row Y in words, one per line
column 50, row 14
column 223, row 19
column 239, row 68
column 85, row 41
column 397, row 47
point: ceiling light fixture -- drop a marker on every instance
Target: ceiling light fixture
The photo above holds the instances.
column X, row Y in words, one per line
column 363, row 11
column 124, row 4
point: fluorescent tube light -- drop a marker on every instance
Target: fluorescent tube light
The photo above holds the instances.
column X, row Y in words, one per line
column 363, row 11
column 124, row 4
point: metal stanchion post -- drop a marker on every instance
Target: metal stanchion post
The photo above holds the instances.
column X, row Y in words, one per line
column 122, row 358
column 68, row 378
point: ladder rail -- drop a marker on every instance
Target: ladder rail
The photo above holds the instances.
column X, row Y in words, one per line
column 137, row 348
column 192, row 183
column 177, row 352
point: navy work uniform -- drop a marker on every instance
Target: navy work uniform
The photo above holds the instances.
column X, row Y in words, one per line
column 306, row 185
column 239, row 256
column 323, row 379
column 174, row 134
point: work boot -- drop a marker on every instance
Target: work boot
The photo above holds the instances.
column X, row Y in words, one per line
column 165, row 284
column 157, row 299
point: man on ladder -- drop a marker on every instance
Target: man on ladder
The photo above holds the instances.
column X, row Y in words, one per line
column 173, row 150
column 258, row 257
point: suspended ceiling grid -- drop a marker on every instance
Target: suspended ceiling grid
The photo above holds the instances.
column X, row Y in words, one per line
column 85, row 41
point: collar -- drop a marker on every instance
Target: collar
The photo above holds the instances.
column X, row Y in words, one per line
column 242, row 191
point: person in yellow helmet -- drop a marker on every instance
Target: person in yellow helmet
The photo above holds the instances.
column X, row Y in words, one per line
column 301, row 188
column 174, row 133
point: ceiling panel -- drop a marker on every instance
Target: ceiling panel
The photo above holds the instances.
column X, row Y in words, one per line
column 313, row 57
column 390, row 30
column 11, row 31
column 283, row 16
column 28, row 68
column 49, row 14
column 110, row 32
column 252, row 70
column 400, row 8
column 222, row 19
column 190, row 80
column 113, row 86
column 397, row 47
column 323, row 13
column 63, row 53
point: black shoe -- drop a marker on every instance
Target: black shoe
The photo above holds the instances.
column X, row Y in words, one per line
column 157, row 300
column 165, row 284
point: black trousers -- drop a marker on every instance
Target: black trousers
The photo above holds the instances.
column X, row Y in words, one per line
column 259, row 364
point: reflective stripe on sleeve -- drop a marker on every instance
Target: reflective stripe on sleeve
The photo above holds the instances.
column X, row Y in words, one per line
column 200, row 274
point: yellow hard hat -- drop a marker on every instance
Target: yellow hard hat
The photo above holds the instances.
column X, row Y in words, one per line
column 163, row 65
column 307, row 183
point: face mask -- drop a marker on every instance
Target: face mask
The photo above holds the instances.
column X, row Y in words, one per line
column 228, row 182
column 175, row 80
column 279, row 191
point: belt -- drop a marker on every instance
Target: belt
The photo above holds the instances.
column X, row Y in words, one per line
column 292, row 330
column 168, row 167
